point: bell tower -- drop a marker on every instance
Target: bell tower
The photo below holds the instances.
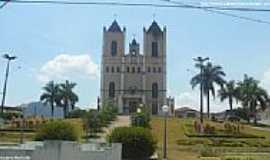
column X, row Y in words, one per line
column 155, row 66
column 114, row 40
column 113, row 52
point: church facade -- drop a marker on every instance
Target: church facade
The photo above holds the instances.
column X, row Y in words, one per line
column 137, row 76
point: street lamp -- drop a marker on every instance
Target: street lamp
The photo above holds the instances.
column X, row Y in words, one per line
column 139, row 110
column 201, row 61
column 9, row 59
column 165, row 110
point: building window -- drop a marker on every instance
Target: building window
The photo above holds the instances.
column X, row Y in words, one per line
column 118, row 69
column 154, row 69
column 114, row 48
column 127, row 69
column 159, row 69
column 139, row 69
column 154, row 90
column 133, row 69
column 111, row 90
column 154, row 108
column 107, row 69
column 149, row 69
column 112, row 69
column 154, row 49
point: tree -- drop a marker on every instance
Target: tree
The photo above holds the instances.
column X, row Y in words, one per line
column 50, row 95
column 253, row 96
column 93, row 123
column 67, row 97
column 108, row 113
column 210, row 76
column 230, row 92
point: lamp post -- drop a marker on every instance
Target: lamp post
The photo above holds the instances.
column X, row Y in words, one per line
column 201, row 61
column 165, row 109
column 9, row 59
column 22, row 128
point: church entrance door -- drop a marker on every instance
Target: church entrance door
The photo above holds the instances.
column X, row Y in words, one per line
column 133, row 106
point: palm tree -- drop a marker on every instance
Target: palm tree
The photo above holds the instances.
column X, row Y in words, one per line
column 67, row 96
column 212, row 75
column 230, row 92
column 253, row 96
column 50, row 95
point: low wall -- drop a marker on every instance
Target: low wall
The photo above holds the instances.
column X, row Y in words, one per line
column 61, row 150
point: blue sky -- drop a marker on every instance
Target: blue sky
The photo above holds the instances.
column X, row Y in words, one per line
column 47, row 37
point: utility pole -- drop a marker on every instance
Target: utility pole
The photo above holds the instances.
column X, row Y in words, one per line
column 9, row 59
column 201, row 61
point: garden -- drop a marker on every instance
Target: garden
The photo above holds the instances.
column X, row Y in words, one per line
column 185, row 142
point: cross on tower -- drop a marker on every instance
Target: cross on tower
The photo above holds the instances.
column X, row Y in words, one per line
column 154, row 16
column 115, row 16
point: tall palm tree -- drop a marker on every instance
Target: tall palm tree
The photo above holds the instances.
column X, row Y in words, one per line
column 67, row 96
column 230, row 92
column 212, row 75
column 50, row 95
column 253, row 96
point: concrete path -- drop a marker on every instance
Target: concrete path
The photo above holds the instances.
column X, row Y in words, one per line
column 121, row 121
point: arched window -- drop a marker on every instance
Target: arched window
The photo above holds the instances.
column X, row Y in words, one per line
column 149, row 69
column 112, row 69
column 154, row 90
column 139, row 69
column 114, row 48
column 118, row 69
column 133, row 69
column 154, row 49
column 154, row 69
column 159, row 69
column 127, row 69
column 111, row 90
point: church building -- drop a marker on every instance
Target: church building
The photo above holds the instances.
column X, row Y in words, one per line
column 137, row 76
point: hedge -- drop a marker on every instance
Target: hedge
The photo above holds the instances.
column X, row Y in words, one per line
column 138, row 142
column 58, row 130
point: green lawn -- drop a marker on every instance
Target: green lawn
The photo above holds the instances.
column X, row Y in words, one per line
column 183, row 147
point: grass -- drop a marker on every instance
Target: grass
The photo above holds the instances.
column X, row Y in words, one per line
column 182, row 147
column 14, row 137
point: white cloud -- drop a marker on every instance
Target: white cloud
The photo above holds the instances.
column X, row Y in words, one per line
column 66, row 66
column 266, row 80
column 192, row 99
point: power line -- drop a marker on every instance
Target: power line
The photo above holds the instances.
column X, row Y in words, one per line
column 217, row 10
column 4, row 4
column 176, row 4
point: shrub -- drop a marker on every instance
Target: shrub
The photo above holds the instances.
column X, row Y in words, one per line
column 10, row 115
column 138, row 142
column 232, row 128
column 208, row 129
column 238, row 158
column 141, row 119
column 58, row 130
column 78, row 113
column 197, row 126
column 209, row 152
column 93, row 123
column 108, row 113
